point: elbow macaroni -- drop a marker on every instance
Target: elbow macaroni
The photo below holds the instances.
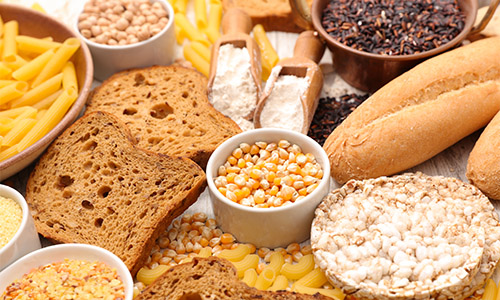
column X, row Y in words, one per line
column 265, row 279
column 249, row 262
column 315, row 279
column 300, row 269
column 236, row 254
column 250, row 277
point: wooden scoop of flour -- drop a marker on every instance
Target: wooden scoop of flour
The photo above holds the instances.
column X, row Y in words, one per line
column 236, row 26
column 307, row 53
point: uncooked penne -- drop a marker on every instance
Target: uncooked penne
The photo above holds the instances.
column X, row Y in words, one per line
column 201, row 49
column 46, row 102
column 7, row 153
column 69, row 76
column 31, row 44
column 32, row 68
column 214, row 18
column 188, row 29
column 14, row 62
column 18, row 132
column 197, row 60
column 4, row 71
column 1, row 26
column 180, row 6
column 55, row 113
column 14, row 112
column 11, row 30
column 36, row 94
column 56, row 63
column 13, row 91
column 5, row 82
column 200, row 14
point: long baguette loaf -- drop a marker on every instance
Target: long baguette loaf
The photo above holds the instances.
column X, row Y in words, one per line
column 483, row 166
column 419, row 114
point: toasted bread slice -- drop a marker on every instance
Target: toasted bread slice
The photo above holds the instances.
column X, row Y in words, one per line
column 210, row 278
column 166, row 109
column 94, row 186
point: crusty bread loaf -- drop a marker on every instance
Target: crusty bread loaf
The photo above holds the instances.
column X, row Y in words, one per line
column 94, row 186
column 418, row 114
column 483, row 166
column 274, row 15
column 210, row 278
column 166, row 109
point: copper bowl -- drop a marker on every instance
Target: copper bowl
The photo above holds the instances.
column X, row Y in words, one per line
column 368, row 71
column 36, row 24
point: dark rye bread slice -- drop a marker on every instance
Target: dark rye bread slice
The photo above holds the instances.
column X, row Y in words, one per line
column 94, row 186
column 166, row 109
column 210, row 278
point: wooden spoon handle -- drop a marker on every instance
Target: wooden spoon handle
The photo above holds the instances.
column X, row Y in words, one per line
column 309, row 45
column 236, row 20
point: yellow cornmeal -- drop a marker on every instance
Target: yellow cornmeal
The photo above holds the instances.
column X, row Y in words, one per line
column 11, row 216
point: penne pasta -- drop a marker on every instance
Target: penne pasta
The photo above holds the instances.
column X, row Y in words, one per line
column 179, row 35
column 197, row 60
column 55, row 113
column 32, row 68
column 46, row 102
column 56, row 63
column 189, row 30
column 1, row 26
column 4, row 71
column 200, row 14
column 31, row 44
column 18, row 131
column 214, row 18
column 5, row 82
column 13, row 91
column 14, row 62
column 10, row 31
column 180, row 6
column 14, row 112
column 69, row 76
column 269, row 56
column 40, row 114
column 38, row 7
column 38, row 93
column 201, row 49
column 7, row 153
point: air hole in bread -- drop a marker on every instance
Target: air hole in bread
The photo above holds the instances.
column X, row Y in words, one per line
column 135, row 171
column 139, row 79
column 130, row 246
column 112, row 165
column 153, row 194
column 104, row 191
column 184, row 122
column 87, row 165
column 98, row 222
column 106, row 172
column 161, row 192
column 227, row 293
column 154, row 140
column 90, row 146
column 87, row 205
column 67, row 194
column 95, row 131
column 148, row 130
column 50, row 224
column 185, row 94
column 128, row 202
column 110, row 210
column 85, row 137
column 191, row 296
column 190, row 126
column 120, row 178
column 65, row 181
column 161, row 111
column 143, row 214
column 158, row 182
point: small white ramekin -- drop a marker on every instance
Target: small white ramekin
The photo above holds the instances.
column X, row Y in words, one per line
column 267, row 227
column 157, row 50
column 26, row 238
column 60, row 252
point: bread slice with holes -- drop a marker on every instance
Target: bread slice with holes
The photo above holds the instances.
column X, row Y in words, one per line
column 210, row 278
column 166, row 109
column 94, row 186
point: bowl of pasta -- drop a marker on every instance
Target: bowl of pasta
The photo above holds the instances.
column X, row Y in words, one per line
column 45, row 77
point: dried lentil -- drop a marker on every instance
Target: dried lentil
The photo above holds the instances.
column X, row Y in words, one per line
column 393, row 27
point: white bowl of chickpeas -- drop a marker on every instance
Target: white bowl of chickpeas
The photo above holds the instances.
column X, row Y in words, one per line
column 265, row 185
column 127, row 34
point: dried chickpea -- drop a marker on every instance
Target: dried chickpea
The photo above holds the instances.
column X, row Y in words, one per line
column 101, row 17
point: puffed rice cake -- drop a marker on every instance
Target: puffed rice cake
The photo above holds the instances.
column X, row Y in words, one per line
column 407, row 236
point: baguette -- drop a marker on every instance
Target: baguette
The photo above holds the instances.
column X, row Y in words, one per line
column 94, row 186
column 483, row 166
column 166, row 109
column 210, row 278
column 418, row 114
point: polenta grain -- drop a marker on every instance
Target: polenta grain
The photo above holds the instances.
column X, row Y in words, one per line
column 11, row 216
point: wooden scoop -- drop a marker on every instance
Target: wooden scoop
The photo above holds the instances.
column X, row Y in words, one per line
column 307, row 53
column 236, row 26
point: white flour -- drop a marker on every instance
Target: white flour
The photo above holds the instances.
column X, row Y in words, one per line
column 233, row 91
column 283, row 108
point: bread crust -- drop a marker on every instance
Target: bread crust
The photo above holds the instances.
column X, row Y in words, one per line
column 418, row 114
column 483, row 165
column 93, row 185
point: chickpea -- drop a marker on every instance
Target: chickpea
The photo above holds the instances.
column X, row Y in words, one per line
column 103, row 22
column 118, row 9
column 112, row 42
column 121, row 35
column 143, row 34
column 84, row 25
column 86, row 33
column 152, row 19
column 160, row 13
column 122, row 24
column 96, row 30
column 131, row 31
column 92, row 20
column 128, row 15
column 103, row 38
column 122, row 42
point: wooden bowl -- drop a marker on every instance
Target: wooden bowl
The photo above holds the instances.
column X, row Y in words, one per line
column 36, row 24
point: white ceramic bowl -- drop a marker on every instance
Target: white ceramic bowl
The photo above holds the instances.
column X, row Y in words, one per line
column 26, row 238
column 60, row 252
column 157, row 50
column 267, row 227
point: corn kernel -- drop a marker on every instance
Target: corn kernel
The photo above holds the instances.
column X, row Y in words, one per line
column 222, row 171
column 240, row 180
column 230, row 177
column 288, row 258
column 237, row 153
column 256, row 173
column 264, row 184
column 270, row 176
column 200, row 217
column 227, row 238
column 260, row 267
column 263, row 251
column 303, row 192
column 307, row 249
column 284, row 144
column 254, row 149
column 277, row 181
column 311, row 188
column 245, row 147
column 163, row 242
column 246, row 191
column 261, row 145
column 217, row 232
column 301, row 159
column 274, row 191
column 252, row 248
column 241, row 163
column 231, row 196
column 233, row 170
column 204, row 242
column 222, row 191
column 211, row 223
column 259, row 196
column 232, row 160
column 292, row 248
column 186, row 218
